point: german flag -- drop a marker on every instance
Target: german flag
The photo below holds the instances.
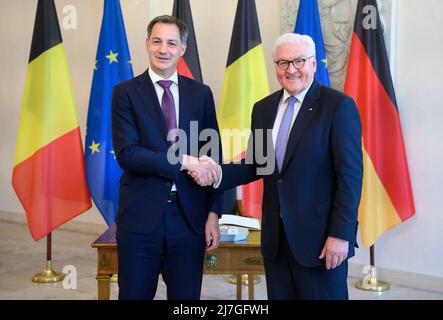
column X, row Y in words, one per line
column 48, row 175
column 245, row 82
column 189, row 63
column 387, row 197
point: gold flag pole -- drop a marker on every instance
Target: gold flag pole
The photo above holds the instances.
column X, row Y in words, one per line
column 48, row 275
column 370, row 281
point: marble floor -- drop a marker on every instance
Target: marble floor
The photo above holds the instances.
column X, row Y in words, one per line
column 21, row 257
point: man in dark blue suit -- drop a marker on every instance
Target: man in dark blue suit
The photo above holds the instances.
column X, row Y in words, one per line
column 311, row 197
column 165, row 220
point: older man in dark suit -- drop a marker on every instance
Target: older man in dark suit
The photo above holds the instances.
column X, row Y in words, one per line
column 310, row 200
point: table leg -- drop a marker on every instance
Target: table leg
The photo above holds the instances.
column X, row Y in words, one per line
column 239, row 284
column 103, row 285
column 251, row 286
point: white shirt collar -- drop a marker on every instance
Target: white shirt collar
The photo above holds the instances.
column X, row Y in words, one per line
column 300, row 96
column 155, row 77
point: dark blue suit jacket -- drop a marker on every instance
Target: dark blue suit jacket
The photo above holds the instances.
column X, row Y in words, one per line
column 139, row 135
column 318, row 189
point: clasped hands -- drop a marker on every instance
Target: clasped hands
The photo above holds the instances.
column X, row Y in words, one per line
column 204, row 170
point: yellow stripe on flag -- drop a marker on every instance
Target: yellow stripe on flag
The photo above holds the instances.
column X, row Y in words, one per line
column 48, row 108
column 245, row 82
column 376, row 213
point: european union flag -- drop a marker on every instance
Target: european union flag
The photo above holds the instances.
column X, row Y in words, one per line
column 308, row 22
column 112, row 65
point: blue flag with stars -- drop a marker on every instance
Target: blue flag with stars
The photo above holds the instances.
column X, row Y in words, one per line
column 308, row 22
column 112, row 66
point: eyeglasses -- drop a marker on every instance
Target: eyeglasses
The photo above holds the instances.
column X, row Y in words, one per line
column 297, row 63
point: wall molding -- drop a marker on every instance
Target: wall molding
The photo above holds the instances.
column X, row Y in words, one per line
column 400, row 278
column 394, row 277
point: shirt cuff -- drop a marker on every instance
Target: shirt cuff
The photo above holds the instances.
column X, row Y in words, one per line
column 216, row 184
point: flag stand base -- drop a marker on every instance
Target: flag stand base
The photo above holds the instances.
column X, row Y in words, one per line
column 377, row 285
column 48, row 275
column 370, row 282
column 244, row 279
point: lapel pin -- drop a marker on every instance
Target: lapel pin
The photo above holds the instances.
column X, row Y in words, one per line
column 310, row 109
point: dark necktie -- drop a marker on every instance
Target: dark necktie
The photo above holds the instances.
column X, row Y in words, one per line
column 283, row 132
column 168, row 107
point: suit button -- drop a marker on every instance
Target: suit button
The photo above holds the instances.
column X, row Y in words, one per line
column 280, row 181
column 168, row 184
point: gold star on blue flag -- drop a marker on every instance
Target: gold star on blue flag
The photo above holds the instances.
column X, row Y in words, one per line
column 112, row 56
column 94, row 147
column 102, row 170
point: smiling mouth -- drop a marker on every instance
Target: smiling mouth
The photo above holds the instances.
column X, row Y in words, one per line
column 163, row 59
column 293, row 77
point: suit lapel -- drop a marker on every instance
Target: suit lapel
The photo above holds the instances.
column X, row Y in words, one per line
column 186, row 104
column 269, row 118
column 308, row 108
column 148, row 95
column 271, row 111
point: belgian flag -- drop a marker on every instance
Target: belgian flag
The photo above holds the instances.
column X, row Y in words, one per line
column 189, row 63
column 49, row 172
column 245, row 82
column 387, row 197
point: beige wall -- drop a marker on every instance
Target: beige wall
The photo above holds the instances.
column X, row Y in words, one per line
column 413, row 246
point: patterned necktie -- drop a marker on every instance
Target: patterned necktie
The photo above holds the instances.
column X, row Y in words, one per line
column 283, row 132
column 168, row 107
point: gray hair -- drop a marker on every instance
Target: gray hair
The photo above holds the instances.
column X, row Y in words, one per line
column 170, row 20
column 294, row 38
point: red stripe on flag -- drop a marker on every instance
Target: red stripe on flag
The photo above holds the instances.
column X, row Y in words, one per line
column 182, row 69
column 252, row 195
column 51, row 184
column 382, row 135
column 252, row 199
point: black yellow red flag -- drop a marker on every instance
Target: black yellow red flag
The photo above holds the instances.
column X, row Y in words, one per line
column 189, row 63
column 245, row 82
column 387, row 196
column 49, row 172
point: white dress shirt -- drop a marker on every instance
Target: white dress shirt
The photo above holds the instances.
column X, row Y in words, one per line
column 159, row 90
column 282, row 107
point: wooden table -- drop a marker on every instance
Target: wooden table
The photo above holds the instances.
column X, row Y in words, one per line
column 237, row 258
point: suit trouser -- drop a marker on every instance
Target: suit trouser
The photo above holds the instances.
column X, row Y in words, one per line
column 287, row 280
column 173, row 250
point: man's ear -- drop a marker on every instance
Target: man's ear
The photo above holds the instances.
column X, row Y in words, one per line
column 183, row 50
column 314, row 62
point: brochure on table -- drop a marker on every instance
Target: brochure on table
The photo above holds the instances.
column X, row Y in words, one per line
column 236, row 228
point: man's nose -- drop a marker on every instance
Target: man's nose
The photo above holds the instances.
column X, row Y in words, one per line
column 291, row 68
column 163, row 47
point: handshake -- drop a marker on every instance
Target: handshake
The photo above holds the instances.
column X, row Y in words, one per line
column 204, row 170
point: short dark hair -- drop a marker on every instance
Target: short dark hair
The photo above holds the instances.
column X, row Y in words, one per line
column 170, row 20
